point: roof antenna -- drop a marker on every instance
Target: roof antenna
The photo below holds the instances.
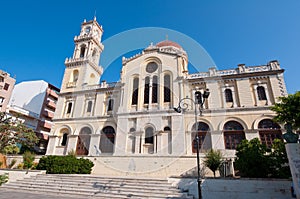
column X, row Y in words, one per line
column 167, row 37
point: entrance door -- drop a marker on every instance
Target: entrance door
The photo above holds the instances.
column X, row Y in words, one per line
column 81, row 149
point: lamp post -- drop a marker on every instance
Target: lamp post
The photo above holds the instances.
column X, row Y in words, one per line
column 182, row 106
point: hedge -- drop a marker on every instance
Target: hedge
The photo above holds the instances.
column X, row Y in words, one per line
column 65, row 165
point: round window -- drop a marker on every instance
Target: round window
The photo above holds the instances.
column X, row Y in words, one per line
column 151, row 67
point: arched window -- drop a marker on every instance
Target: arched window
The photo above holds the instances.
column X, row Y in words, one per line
column 69, row 107
column 63, row 136
column 202, row 129
column 135, row 91
column 167, row 128
column 149, row 136
column 228, row 95
column 75, row 76
column 92, row 79
column 269, row 131
column 94, row 53
column 110, row 105
column 167, row 85
column 89, row 106
column 107, row 140
column 154, row 89
column 261, row 93
column 64, row 139
column 146, row 90
column 233, row 134
column 82, row 50
column 83, row 142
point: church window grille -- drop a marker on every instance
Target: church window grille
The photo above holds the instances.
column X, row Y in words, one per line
column 202, row 130
column 82, row 51
column 154, row 89
column 6, row 86
column 110, row 105
column 146, row 90
column 135, row 91
column 149, row 137
column 269, row 131
column 89, row 106
column 261, row 93
column 167, row 85
column 69, row 107
column 228, row 95
column 64, row 139
column 233, row 134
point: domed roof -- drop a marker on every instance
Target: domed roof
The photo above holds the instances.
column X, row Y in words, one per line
column 168, row 43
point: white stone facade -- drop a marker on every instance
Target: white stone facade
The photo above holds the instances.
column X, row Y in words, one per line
column 135, row 117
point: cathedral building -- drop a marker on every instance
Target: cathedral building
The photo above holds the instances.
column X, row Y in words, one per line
column 131, row 125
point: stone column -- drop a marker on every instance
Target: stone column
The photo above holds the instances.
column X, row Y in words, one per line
column 138, row 142
column 159, row 143
column 189, row 142
column 94, row 145
column 164, row 142
column 72, row 143
column 53, row 139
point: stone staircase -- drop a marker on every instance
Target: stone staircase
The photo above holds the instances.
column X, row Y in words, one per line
column 89, row 186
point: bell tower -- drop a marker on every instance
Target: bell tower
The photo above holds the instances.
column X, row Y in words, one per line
column 83, row 68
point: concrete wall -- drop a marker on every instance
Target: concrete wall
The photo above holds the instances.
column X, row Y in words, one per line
column 16, row 174
column 236, row 188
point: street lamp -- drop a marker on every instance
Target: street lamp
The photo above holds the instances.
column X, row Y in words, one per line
column 183, row 105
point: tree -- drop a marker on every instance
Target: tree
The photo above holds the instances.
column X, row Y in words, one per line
column 213, row 160
column 288, row 110
column 13, row 132
column 255, row 160
column 279, row 160
column 251, row 160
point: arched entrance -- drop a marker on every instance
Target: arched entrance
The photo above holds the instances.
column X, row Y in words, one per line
column 107, row 140
column 149, row 140
column 268, row 132
column 83, row 142
column 233, row 134
column 202, row 129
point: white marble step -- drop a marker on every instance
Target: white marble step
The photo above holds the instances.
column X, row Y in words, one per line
column 98, row 186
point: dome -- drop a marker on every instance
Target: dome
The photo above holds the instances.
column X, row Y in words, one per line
column 168, row 43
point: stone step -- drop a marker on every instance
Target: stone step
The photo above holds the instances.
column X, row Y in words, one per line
column 90, row 183
column 90, row 177
column 89, row 191
column 165, row 190
column 97, row 186
column 72, row 194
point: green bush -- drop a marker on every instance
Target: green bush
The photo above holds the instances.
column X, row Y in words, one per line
column 28, row 159
column 255, row 160
column 11, row 149
column 65, row 165
column 3, row 178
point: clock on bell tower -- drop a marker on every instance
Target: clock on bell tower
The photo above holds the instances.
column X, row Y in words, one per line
column 83, row 68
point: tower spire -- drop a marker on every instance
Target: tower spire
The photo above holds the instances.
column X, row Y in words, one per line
column 95, row 15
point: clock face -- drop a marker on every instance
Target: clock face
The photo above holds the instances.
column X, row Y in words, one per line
column 87, row 29
column 151, row 67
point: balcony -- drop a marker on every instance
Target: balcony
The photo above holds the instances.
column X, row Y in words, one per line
column 52, row 93
column 51, row 104
column 45, row 124
column 48, row 114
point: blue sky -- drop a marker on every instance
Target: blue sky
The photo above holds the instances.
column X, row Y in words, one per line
column 37, row 36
